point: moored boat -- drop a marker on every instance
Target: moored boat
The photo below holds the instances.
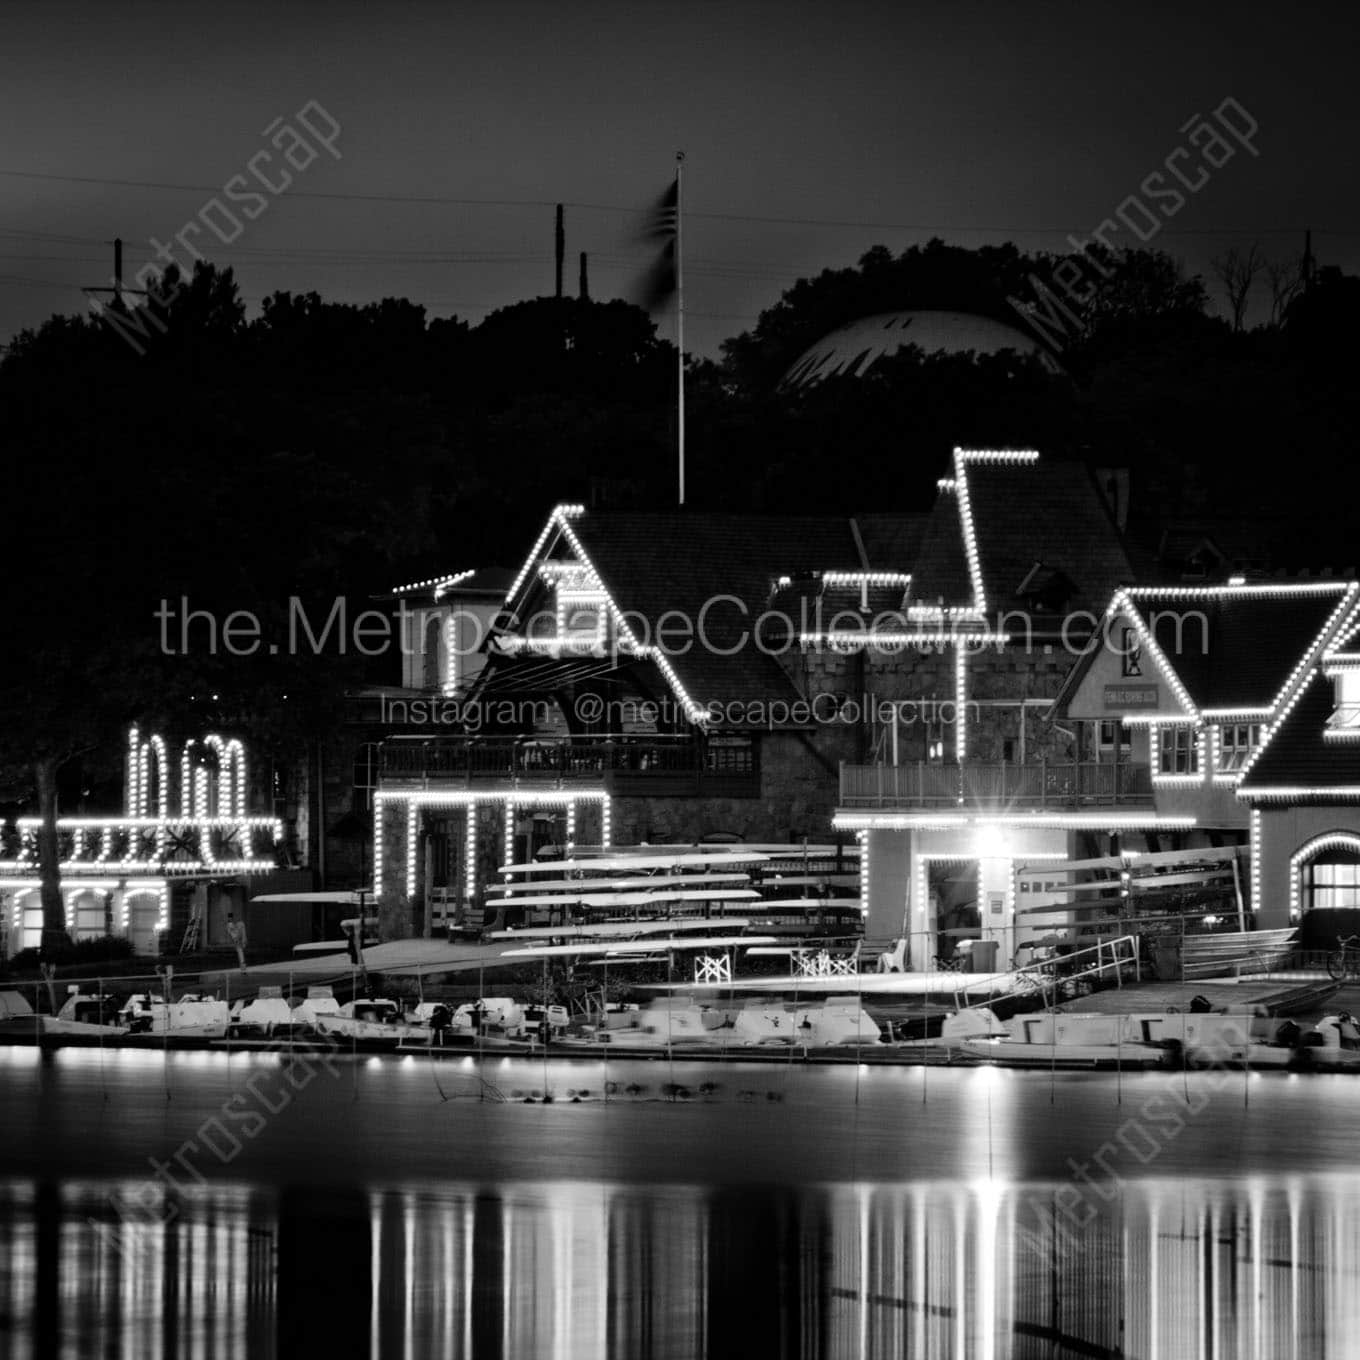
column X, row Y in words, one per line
column 1056, row 1038
column 191, row 1017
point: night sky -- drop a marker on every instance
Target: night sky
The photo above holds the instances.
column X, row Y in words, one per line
column 885, row 123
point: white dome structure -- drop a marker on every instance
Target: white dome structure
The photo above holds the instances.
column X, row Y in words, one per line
column 851, row 350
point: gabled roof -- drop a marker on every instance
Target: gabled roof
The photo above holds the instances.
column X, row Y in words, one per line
column 1238, row 648
column 1004, row 515
column 718, row 571
column 1045, row 513
column 1298, row 763
column 1227, row 649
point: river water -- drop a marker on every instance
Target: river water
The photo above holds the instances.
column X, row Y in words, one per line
column 271, row 1205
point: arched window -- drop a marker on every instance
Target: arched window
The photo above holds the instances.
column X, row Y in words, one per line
column 1332, row 881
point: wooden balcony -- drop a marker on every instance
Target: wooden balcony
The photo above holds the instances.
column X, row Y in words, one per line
column 624, row 766
column 995, row 786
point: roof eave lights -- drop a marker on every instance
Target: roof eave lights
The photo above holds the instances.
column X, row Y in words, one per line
column 557, row 520
column 1015, row 457
column 862, row 578
column 1124, row 601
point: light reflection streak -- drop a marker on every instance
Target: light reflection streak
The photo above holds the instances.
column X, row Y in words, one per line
column 1168, row 1269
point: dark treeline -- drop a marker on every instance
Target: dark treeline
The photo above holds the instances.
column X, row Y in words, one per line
column 183, row 449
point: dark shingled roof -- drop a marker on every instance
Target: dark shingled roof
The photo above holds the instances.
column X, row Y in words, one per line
column 941, row 571
column 657, row 562
column 1298, row 755
column 891, row 541
column 1242, row 650
column 1045, row 514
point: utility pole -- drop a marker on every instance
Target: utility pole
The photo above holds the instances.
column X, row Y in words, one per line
column 118, row 289
column 560, row 241
column 1307, row 261
column 584, row 289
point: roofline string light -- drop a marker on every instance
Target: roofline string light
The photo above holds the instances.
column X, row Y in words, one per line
column 1256, row 590
column 694, row 712
column 438, row 582
column 842, row 637
column 1302, row 682
column 1317, row 648
column 864, row 578
column 1123, row 600
column 556, row 520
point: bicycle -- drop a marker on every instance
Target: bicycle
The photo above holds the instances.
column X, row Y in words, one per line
column 1344, row 961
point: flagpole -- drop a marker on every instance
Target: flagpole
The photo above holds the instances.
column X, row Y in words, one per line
column 680, row 317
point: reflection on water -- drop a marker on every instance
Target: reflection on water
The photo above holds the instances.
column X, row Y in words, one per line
column 1172, row 1268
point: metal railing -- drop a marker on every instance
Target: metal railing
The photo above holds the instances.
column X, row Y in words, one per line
column 1041, row 784
column 624, row 762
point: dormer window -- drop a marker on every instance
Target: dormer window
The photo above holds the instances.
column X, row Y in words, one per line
column 1346, row 688
column 581, row 617
column 1236, row 742
column 1046, row 589
column 1177, row 749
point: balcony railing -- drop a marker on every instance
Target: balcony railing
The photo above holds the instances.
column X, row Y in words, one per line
column 1002, row 785
column 621, row 766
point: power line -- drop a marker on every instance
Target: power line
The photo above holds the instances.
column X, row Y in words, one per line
column 428, row 200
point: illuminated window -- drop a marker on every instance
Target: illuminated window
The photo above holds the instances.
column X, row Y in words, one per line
column 1335, row 885
column 1177, row 750
column 935, row 736
column 1236, row 741
column 1346, row 686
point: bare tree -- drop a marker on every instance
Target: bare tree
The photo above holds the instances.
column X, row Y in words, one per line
column 1237, row 271
column 1286, row 282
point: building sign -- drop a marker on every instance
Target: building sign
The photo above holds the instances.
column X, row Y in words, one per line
column 1127, row 696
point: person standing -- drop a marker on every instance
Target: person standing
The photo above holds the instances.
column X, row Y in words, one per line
column 236, row 933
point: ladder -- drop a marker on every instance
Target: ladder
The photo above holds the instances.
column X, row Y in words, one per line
column 191, row 931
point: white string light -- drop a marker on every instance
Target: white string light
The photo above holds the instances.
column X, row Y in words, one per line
column 438, row 582
column 378, row 800
column 970, row 545
column 960, row 704
column 864, row 578
column 508, row 847
column 1332, row 840
column 1123, row 600
column 1110, row 820
column 1173, row 780
column 851, row 637
column 417, row 799
column 1254, row 839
